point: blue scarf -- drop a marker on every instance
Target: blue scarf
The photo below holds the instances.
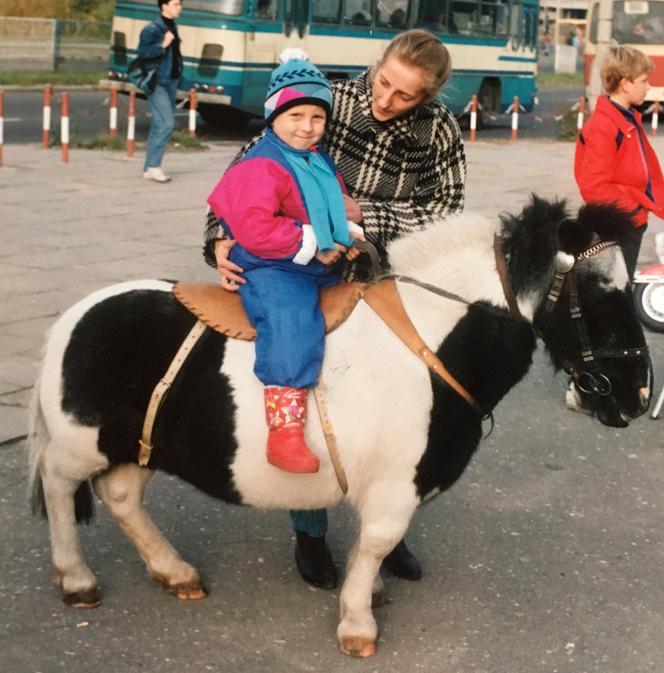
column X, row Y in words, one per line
column 323, row 197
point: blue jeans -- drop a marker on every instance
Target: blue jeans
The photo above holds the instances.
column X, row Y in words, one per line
column 313, row 522
column 162, row 106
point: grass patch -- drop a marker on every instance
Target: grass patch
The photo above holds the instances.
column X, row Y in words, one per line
column 55, row 77
column 181, row 140
column 560, row 79
column 567, row 126
column 104, row 141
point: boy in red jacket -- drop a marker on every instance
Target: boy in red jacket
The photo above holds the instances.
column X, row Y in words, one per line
column 614, row 162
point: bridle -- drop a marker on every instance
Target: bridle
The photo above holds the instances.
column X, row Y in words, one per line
column 583, row 367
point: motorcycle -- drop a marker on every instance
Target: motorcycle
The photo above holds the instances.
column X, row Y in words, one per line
column 649, row 290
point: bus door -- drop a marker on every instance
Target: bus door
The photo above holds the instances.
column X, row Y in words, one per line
column 273, row 26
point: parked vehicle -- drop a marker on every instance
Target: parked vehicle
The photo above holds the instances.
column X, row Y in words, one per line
column 649, row 290
column 230, row 47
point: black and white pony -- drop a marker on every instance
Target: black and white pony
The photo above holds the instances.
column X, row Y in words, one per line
column 403, row 435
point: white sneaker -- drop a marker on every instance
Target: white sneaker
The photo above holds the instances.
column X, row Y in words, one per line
column 156, row 174
column 574, row 401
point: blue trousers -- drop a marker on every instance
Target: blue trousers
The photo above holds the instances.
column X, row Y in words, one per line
column 162, row 106
column 313, row 522
column 282, row 302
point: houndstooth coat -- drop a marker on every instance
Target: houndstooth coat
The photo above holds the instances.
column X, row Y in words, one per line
column 402, row 173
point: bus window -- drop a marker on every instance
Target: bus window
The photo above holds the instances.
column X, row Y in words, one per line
column 392, row 13
column 232, row 7
column 464, row 17
column 432, row 14
column 638, row 22
column 594, row 15
column 326, row 11
column 266, row 9
column 358, row 12
column 493, row 18
column 515, row 25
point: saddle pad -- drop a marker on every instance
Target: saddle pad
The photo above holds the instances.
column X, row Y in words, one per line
column 223, row 311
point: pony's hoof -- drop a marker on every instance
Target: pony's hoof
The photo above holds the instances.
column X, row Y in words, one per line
column 356, row 646
column 82, row 599
column 189, row 592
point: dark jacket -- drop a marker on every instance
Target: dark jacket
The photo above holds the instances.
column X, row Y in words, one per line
column 149, row 47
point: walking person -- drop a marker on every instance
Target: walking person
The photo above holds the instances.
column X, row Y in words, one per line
column 160, row 39
column 400, row 153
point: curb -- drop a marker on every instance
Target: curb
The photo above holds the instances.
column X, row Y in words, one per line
column 40, row 87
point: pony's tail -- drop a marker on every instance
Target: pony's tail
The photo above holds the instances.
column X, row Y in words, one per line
column 38, row 439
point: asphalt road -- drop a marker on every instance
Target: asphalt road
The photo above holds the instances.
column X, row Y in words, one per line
column 89, row 117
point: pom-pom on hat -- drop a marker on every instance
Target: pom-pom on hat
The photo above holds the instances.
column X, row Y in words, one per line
column 296, row 82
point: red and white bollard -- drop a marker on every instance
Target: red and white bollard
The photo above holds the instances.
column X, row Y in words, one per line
column 113, row 114
column 473, row 118
column 131, row 124
column 2, row 123
column 655, row 118
column 515, row 118
column 580, row 117
column 192, row 113
column 46, row 116
column 64, row 127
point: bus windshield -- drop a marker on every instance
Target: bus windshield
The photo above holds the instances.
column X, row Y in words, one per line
column 231, row 7
column 638, row 22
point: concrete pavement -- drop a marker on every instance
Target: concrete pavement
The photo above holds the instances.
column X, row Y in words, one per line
column 546, row 556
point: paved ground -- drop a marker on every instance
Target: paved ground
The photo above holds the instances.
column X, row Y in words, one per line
column 547, row 556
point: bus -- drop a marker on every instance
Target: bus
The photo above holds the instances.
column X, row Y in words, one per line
column 637, row 23
column 230, row 47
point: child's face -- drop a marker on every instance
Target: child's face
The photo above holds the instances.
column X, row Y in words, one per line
column 301, row 127
column 635, row 90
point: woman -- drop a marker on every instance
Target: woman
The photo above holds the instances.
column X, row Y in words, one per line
column 400, row 154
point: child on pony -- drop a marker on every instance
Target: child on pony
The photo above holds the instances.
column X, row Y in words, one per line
column 283, row 204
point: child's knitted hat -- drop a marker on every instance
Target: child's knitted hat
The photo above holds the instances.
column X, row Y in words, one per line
column 296, row 82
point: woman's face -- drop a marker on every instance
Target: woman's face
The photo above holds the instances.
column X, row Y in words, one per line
column 397, row 89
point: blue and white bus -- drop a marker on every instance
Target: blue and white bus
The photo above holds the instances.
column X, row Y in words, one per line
column 231, row 46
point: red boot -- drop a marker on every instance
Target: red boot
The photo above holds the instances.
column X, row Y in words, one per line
column 286, row 414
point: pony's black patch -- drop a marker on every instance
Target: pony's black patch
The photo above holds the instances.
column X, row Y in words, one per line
column 117, row 353
column 488, row 354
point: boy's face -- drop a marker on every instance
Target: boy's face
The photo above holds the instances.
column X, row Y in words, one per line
column 635, row 90
column 301, row 126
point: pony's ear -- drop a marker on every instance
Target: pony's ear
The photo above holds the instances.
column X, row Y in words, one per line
column 609, row 222
column 574, row 237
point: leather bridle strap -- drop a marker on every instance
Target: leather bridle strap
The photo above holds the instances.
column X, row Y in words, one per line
column 501, row 268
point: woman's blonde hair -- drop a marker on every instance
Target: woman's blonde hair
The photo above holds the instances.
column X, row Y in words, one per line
column 425, row 51
column 623, row 62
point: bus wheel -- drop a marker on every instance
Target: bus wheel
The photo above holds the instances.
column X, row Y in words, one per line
column 488, row 98
column 222, row 117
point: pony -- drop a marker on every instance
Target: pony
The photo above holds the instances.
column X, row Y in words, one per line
column 403, row 434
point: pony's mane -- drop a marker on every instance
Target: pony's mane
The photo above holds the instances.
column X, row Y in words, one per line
column 443, row 237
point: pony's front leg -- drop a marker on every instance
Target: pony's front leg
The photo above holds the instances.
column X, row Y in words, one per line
column 383, row 524
column 121, row 489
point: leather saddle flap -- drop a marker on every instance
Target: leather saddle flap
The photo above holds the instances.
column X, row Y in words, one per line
column 223, row 311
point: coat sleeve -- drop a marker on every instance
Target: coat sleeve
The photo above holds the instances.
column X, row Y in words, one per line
column 439, row 191
column 594, row 169
column 149, row 43
column 250, row 198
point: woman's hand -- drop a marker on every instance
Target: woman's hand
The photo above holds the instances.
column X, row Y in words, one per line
column 227, row 269
column 328, row 257
column 353, row 210
column 358, row 235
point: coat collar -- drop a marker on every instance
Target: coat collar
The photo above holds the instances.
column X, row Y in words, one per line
column 605, row 107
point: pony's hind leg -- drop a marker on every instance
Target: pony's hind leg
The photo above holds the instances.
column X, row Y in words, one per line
column 71, row 572
column 121, row 489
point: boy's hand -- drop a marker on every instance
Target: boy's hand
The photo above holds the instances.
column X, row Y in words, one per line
column 357, row 233
column 328, row 257
column 227, row 269
column 353, row 210
column 168, row 38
